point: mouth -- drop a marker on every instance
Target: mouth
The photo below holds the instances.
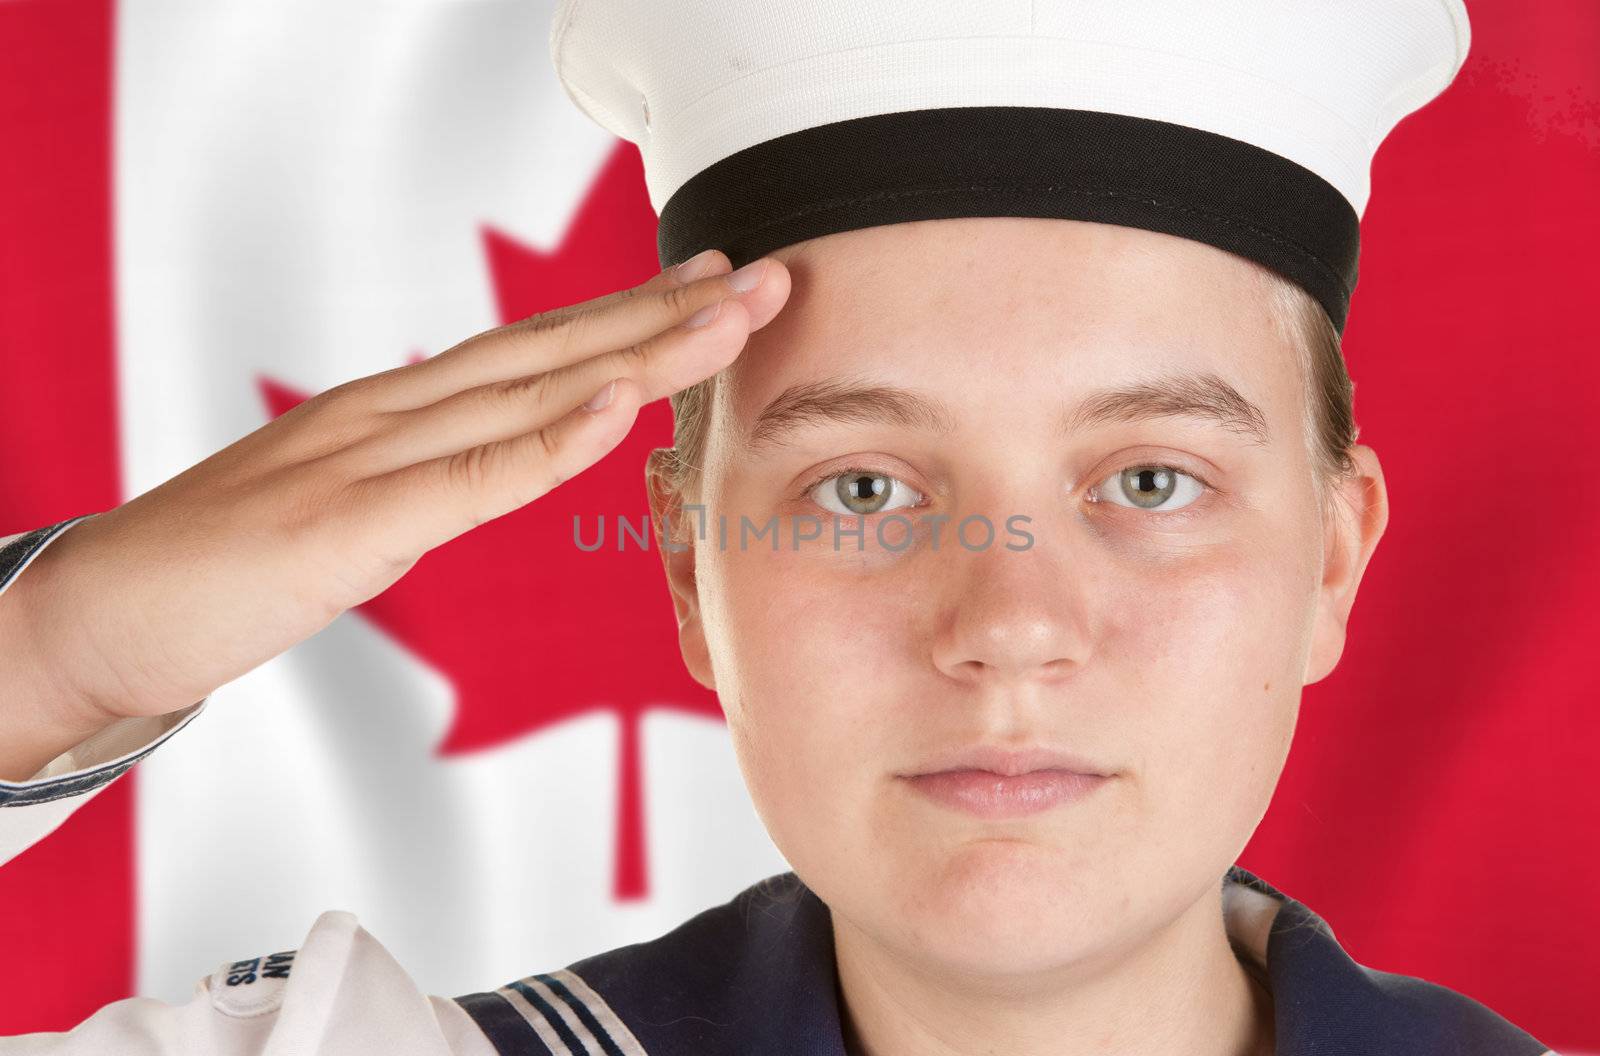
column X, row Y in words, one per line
column 986, row 794
column 1010, row 762
column 991, row 782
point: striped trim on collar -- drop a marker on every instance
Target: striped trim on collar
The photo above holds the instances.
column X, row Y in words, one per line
column 757, row 974
column 550, row 1014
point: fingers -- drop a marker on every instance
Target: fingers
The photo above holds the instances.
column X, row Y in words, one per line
column 667, row 362
column 441, row 498
column 699, row 266
column 556, row 339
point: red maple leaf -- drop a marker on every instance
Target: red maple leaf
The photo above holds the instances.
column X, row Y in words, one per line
column 530, row 629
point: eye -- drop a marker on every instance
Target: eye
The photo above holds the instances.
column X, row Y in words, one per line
column 1148, row 487
column 858, row 492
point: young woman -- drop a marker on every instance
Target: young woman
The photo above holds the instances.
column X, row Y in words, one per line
column 1155, row 406
column 1051, row 519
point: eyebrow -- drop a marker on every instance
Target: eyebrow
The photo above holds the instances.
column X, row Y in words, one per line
column 1201, row 395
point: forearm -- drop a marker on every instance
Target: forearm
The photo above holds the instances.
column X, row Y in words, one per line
column 40, row 716
column 36, row 723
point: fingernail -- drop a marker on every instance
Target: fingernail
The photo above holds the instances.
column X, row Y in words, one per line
column 703, row 316
column 601, row 398
column 748, row 277
column 694, row 267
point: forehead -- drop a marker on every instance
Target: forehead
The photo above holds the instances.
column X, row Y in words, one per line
column 1013, row 316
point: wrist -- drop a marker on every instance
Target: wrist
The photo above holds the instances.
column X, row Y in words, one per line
column 41, row 713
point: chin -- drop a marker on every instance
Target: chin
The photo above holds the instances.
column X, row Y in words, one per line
column 997, row 940
column 999, row 906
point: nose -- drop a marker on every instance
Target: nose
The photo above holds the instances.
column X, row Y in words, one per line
column 1011, row 617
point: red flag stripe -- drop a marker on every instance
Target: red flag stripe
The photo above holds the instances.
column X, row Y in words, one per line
column 68, row 926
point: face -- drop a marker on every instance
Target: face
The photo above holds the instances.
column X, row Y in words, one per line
column 1173, row 586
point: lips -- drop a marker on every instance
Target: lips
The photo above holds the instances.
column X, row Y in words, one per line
column 992, row 782
column 986, row 794
column 1010, row 762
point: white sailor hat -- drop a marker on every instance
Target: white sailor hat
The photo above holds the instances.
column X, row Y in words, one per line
column 1249, row 125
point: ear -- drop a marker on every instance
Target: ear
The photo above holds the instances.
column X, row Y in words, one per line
column 675, row 533
column 1355, row 522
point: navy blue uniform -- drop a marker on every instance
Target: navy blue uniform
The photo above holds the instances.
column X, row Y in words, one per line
column 756, row 975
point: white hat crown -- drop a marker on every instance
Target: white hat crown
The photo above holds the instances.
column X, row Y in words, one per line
column 1318, row 84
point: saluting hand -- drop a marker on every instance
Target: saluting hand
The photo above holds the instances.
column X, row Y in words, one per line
column 150, row 606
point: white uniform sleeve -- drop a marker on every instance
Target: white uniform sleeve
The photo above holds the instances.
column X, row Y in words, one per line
column 340, row 992
column 31, row 810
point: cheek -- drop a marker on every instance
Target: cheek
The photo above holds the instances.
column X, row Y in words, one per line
column 806, row 663
column 1212, row 651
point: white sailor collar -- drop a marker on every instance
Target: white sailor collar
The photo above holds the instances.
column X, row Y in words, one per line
column 756, row 975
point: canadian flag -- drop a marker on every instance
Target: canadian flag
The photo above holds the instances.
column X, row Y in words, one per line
column 209, row 212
